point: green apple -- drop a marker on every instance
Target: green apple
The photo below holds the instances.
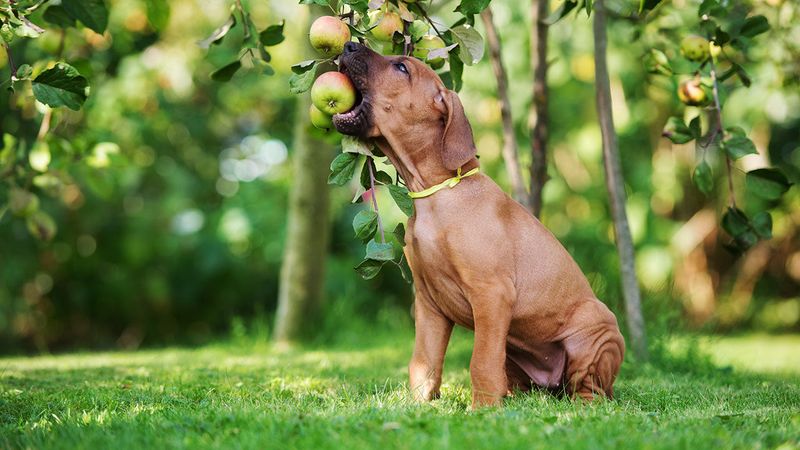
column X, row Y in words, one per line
column 333, row 93
column 328, row 35
column 694, row 48
column 41, row 226
column 417, row 29
column 384, row 25
column 425, row 45
column 319, row 119
column 692, row 93
column 22, row 203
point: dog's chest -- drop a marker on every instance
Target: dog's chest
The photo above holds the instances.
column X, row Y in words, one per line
column 435, row 276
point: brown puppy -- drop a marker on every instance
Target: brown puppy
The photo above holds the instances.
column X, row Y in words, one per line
column 478, row 258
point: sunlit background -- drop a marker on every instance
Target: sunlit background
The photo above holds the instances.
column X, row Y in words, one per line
column 173, row 231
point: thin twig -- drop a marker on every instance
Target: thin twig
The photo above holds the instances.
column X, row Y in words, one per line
column 406, row 40
column 374, row 199
column 430, row 21
column 720, row 127
column 45, row 126
column 10, row 61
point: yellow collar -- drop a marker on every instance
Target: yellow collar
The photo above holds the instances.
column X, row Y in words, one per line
column 450, row 182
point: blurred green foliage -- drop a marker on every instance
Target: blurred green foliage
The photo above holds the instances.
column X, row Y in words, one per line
column 169, row 189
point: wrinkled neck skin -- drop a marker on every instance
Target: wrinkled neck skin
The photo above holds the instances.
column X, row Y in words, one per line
column 420, row 164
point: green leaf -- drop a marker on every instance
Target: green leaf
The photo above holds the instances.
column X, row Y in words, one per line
column 158, row 13
column 27, row 31
column 417, row 29
column 707, row 6
column 720, row 37
column 343, row 168
column 273, row 35
column 762, row 224
column 742, row 74
column 562, row 11
column 736, row 131
column 405, row 271
column 746, row 239
column 754, row 26
column 401, row 198
column 351, row 144
column 58, row 17
column 41, row 226
column 24, row 72
column 365, row 179
column 225, row 73
column 380, row 251
column 299, row 83
column 438, row 53
column 355, row 32
column 383, row 177
column 767, row 183
column 218, row 34
column 265, row 56
column 358, row 5
column 92, row 13
column 694, row 126
column 470, row 44
column 647, row 5
column 702, row 178
column 735, row 222
column 365, row 224
column 6, row 33
column 61, row 86
column 738, row 146
column 399, row 233
column 456, row 71
column 369, row 268
column 303, row 67
column 469, row 7
column 677, row 131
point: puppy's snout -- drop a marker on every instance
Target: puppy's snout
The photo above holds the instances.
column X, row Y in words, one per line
column 350, row 47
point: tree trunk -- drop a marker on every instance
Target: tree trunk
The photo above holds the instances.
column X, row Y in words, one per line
column 539, row 118
column 510, row 147
column 302, row 273
column 616, row 188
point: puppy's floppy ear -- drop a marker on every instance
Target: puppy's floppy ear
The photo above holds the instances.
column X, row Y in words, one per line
column 458, row 145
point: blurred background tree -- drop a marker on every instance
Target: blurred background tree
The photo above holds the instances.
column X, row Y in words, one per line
column 170, row 189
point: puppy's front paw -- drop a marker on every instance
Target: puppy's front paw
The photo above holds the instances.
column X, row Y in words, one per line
column 425, row 391
column 486, row 399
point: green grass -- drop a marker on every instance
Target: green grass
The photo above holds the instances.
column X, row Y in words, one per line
column 230, row 396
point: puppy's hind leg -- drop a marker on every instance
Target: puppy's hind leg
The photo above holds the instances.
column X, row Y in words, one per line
column 594, row 353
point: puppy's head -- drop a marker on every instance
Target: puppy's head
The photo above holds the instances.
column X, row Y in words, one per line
column 403, row 100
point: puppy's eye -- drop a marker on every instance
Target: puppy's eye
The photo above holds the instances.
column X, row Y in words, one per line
column 401, row 67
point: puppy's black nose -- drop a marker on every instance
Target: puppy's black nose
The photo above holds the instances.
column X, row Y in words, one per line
column 351, row 47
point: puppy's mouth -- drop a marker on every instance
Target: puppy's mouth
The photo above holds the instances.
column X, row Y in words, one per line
column 356, row 121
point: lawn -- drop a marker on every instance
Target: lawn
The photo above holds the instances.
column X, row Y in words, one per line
column 250, row 396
